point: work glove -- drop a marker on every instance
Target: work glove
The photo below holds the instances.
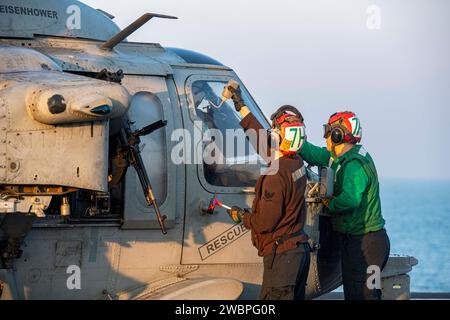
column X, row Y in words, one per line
column 237, row 98
column 326, row 202
column 236, row 214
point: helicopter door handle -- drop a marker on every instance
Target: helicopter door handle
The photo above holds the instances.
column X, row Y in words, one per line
column 248, row 190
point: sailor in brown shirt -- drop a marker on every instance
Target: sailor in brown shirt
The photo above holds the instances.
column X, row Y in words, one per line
column 278, row 213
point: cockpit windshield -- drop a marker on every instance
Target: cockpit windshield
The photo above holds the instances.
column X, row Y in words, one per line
column 233, row 162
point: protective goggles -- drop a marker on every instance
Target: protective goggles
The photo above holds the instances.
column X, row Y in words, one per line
column 327, row 130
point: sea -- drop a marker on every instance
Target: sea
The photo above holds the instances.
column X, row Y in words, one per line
column 417, row 214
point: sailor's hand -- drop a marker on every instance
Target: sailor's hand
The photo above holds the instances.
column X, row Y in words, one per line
column 236, row 214
column 237, row 98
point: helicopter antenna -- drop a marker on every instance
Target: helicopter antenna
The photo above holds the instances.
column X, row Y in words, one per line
column 116, row 39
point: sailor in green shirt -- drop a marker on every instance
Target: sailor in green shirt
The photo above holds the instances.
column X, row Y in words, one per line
column 355, row 207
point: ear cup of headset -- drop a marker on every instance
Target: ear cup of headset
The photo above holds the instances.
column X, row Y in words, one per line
column 337, row 135
column 278, row 135
column 273, row 135
column 280, row 138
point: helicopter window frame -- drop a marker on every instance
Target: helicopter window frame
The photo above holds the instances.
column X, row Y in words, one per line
column 201, row 174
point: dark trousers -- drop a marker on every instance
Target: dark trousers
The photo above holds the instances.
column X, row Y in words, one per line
column 285, row 279
column 358, row 253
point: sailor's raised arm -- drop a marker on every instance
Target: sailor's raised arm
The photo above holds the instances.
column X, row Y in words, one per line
column 258, row 135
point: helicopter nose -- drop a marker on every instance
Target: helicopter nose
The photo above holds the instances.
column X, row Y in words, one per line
column 71, row 100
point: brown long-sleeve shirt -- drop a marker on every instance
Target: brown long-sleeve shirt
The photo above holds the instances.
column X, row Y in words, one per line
column 279, row 205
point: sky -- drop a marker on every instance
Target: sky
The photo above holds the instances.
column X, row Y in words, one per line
column 386, row 60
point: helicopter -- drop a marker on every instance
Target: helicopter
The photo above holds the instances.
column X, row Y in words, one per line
column 92, row 203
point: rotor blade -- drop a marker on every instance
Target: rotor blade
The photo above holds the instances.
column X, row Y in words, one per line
column 139, row 22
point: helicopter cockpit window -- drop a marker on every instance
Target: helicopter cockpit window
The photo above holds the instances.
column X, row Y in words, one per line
column 233, row 161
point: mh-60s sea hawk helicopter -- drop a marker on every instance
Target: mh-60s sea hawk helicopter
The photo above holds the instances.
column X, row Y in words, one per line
column 78, row 105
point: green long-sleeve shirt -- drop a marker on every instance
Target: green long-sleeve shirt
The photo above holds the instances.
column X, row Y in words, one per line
column 355, row 206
